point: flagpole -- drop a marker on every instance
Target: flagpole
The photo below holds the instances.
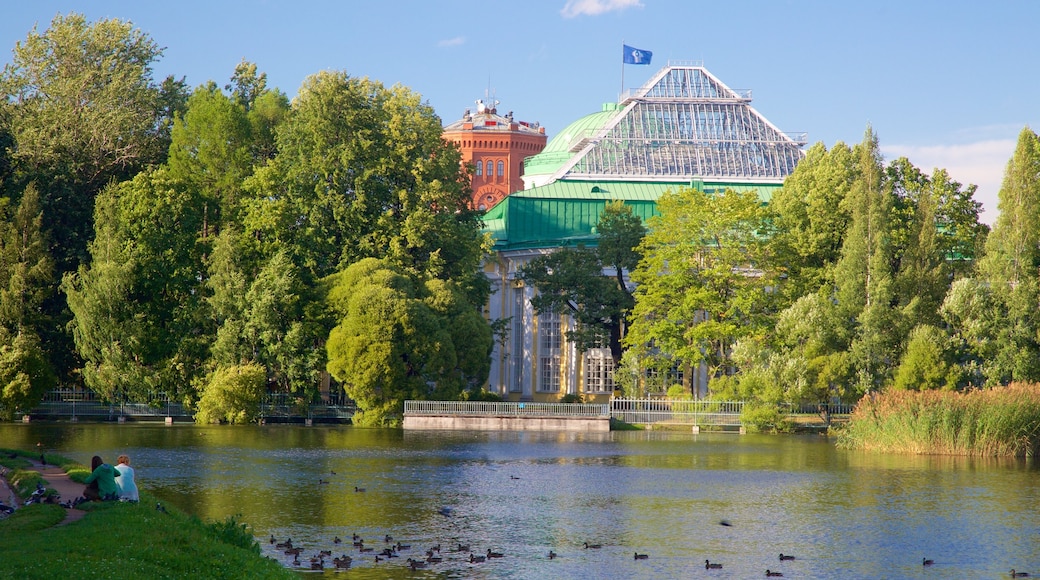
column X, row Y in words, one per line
column 622, row 71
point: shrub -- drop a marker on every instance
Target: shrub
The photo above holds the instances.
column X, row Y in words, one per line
column 233, row 395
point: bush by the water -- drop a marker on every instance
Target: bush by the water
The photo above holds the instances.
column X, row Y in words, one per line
column 993, row 422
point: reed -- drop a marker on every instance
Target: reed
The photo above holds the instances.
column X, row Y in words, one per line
column 992, row 422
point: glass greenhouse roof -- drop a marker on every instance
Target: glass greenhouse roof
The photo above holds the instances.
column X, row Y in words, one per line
column 683, row 124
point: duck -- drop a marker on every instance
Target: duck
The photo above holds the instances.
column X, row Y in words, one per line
column 322, row 481
column 783, row 557
column 272, row 539
column 927, row 562
column 332, row 472
column 589, row 546
column 325, row 553
column 474, row 559
column 641, row 556
column 343, row 562
column 1019, row 574
column 336, row 540
column 462, row 548
column 293, row 551
column 401, row 546
column 317, row 564
column 513, row 477
column 364, row 549
column 434, row 559
column 359, row 543
column 712, row 565
column 416, row 564
column 774, row 574
column 378, row 559
column 286, row 544
column 359, row 489
column 388, row 539
column 491, row 554
column 552, row 555
column 436, row 548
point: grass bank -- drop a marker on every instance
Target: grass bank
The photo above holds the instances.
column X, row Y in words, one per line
column 126, row 540
column 994, row 422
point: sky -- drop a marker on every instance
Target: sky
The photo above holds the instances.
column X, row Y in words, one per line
column 947, row 84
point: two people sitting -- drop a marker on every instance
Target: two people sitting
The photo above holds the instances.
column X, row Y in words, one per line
column 102, row 484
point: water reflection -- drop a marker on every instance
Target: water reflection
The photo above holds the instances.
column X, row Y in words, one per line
column 853, row 514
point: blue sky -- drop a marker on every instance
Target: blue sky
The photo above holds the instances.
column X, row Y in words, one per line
column 945, row 83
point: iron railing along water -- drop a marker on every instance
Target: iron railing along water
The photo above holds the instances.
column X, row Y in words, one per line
column 505, row 409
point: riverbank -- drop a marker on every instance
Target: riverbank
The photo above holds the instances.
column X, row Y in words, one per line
column 134, row 540
column 992, row 422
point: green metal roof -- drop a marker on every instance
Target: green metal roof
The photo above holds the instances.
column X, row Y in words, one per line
column 559, row 149
column 565, row 213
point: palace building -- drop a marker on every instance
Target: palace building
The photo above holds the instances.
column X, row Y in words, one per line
column 496, row 147
column 683, row 128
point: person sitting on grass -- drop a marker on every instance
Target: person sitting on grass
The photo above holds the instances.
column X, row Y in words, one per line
column 126, row 484
column 105, row 475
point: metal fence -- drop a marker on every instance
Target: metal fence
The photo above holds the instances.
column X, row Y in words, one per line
column 707, row 413
column 87, row 405
column 505, row 409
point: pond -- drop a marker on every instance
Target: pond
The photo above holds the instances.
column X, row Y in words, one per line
column 739, row 500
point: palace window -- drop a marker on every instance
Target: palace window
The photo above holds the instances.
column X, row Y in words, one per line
column 501, row 168
column 599, row 371
column 480, row 168
column 490, row 168
column 550, row 343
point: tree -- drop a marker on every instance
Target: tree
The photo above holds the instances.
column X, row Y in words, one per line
column 812, row 218
column 233, row 395
column 702, row 283
column 85, row 111
column 589, row 283
column 925, row 364
column 396, row 340
column 1011, row 264
column 210, row 151
column 137, row 306
column 361, row 172
column 25, row 373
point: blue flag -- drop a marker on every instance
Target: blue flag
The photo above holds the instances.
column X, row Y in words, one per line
column 632, row 55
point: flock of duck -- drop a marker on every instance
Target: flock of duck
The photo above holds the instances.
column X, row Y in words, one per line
column 459, row 553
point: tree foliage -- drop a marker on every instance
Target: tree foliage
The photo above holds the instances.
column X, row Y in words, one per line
column 589, row 283
column 702, row 282
column 400, row 339
column 233, row 395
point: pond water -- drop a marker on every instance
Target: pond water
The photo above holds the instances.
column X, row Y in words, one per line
column 841, row 513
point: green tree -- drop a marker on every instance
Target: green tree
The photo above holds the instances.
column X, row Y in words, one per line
column 233, row 395
column 210, row 151
column 362, row 171
column 1011, row 264
column 25, row 373
column 589, row 283
column 136, row 307
column 812, row 218
column 396, row 340
column 926, row 363
column 85, row 111
column 864, row 276
column 702, row 283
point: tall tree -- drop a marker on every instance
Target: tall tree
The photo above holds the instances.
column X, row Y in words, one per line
column 702, row 283
column 362, row 171
column 812, row 218
column 589, row 283
column 1011, row 264
column 85, row 111
column 864, row 276
column 137, row 315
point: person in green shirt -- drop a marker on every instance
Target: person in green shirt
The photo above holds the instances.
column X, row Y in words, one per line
column 105, row 475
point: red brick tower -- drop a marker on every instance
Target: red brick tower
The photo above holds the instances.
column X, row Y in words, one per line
column 496, row 146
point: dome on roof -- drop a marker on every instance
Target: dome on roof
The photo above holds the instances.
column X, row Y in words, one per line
column 561, row 147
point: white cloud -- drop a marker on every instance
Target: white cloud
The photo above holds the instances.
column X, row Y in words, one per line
column 981, row 163
column 458, row 40
column 575, row 8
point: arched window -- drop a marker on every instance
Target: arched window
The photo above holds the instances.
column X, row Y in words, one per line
column 480, row 168
column 490, row 168
column 501, row 168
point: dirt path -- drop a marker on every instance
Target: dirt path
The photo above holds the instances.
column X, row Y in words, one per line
column 55, row 478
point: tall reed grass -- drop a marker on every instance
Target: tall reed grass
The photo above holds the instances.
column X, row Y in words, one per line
column 992, row 422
